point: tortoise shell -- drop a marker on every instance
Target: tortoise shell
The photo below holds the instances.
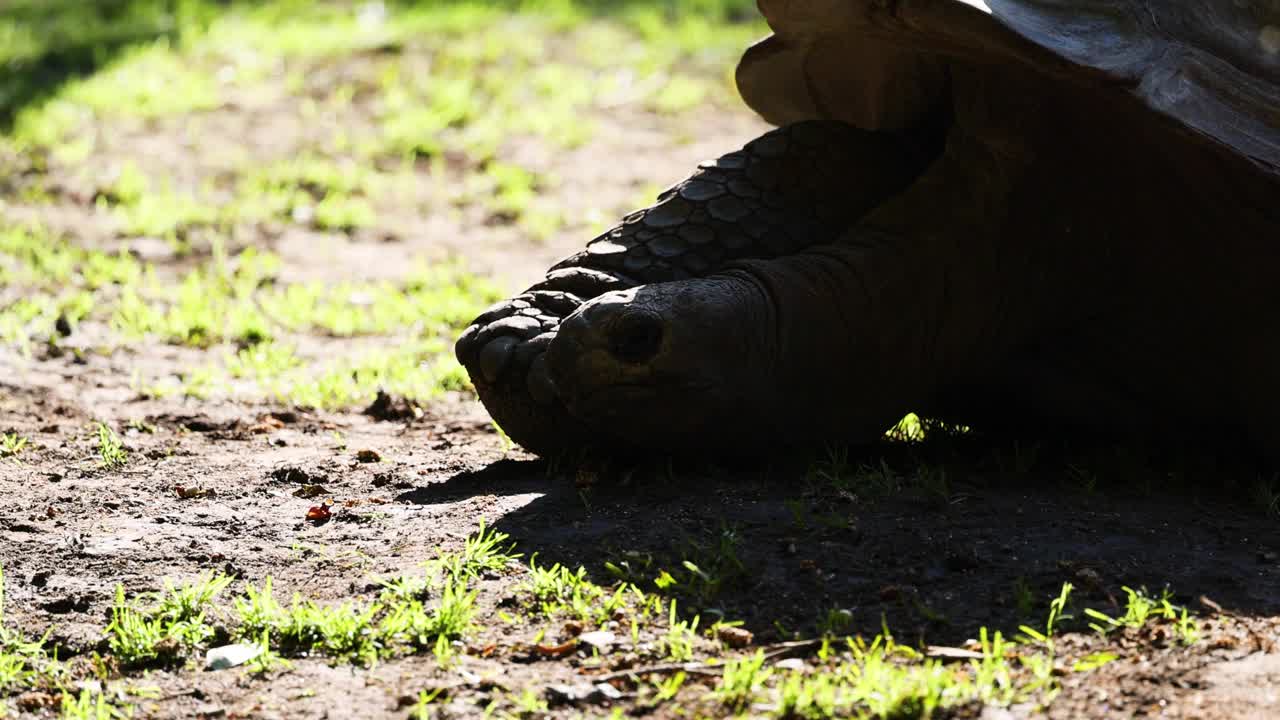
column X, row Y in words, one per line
column 1211, row 67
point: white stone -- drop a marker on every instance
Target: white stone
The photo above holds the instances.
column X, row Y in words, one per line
column 602, row 639
column 229, row 656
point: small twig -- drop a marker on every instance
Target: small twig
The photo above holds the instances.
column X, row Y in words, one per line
column 1208, row 602
column 946, row 654
column 775, row 652
column 788, row 649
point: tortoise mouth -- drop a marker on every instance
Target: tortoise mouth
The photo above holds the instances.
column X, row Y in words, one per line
column 629, row 398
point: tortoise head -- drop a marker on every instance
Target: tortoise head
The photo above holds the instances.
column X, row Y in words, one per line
column 666, row 362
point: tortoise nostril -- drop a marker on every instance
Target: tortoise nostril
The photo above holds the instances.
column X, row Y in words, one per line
column 636, row 337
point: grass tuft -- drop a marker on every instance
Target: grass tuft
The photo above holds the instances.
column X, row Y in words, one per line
column 12, row 444
column 111, row 452
column 173, row 624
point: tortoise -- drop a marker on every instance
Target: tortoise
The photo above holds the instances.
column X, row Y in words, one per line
column 1054, row 216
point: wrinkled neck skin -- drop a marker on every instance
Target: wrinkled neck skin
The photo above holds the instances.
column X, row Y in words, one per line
column 911, row 299
column 844, row 366
column 926, row 290
column 1051, row 269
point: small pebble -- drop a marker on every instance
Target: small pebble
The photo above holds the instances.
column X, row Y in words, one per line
column 600, row 639
column 734, row 637
column 608, row 692
column 229, row 656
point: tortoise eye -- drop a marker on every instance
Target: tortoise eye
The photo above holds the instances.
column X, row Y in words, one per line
column 636, row 337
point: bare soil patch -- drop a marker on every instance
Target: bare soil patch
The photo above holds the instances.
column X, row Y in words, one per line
column 225, row 487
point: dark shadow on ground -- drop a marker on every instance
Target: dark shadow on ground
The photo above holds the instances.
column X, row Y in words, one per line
column 505, row 477
column 935, row 560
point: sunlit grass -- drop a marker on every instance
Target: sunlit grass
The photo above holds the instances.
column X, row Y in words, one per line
column 233, row 302
column 438, row 89
column 427, row 613
column 189, row 56
column 427, row 81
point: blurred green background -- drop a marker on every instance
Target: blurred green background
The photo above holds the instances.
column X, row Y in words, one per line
column 306, row 201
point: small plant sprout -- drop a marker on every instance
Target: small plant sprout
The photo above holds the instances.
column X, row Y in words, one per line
column 23, row 663
column 186, row 603
column 362, row 633
column 801, row 696
column 1057, row 613
column 259, row 613
column 742, row 681
column 529, row 703
column 133, row 636
column 443, row 651
column 1266, row 495
column 667, row 688
column 420, row 627
column 174, row 622
column 90, row 705
column 485, row 551
column 268, row 659
column 507, row 443
column 837, row 621
column 681, row 635
column 1094, row 661
column 424, row 708
column 11, row 444
column 405, row 587
column 1023, row 597
column 1141, row 608
column 111, row 452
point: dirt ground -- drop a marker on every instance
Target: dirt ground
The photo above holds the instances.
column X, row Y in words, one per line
column 225, row 484
column 934, row 566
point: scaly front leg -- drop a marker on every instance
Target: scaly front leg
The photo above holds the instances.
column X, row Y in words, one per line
column 834, row 343
column 792, row 188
